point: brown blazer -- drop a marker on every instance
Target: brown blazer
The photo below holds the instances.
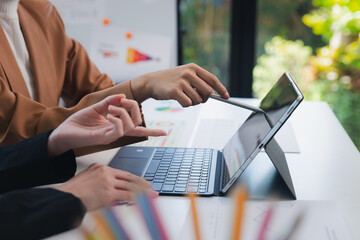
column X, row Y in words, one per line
column 61, row 68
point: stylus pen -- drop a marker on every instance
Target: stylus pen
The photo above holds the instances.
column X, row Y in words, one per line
column 243, row 105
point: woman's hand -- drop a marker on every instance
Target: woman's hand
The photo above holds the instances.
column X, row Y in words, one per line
column 101, row 123
column 99, row 186
column 188, row 84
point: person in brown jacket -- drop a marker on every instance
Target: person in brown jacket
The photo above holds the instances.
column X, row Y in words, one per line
column 47, row 158
column 39, row 64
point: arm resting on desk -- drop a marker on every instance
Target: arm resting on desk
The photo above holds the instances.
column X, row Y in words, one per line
column 38, row 213
column 26, row 164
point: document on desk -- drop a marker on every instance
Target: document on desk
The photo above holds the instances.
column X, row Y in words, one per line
column 178, row 122
column 212, row 130
column 321, row 220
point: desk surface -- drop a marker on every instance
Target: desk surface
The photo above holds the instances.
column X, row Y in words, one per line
column 328, row 166
column 325, row 169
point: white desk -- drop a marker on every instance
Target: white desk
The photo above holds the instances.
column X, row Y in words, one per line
column 329, row 163
column 327, row 167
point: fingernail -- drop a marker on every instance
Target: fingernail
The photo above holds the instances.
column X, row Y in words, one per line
column 227, row 95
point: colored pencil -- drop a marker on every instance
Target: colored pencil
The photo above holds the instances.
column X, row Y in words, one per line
column 192, row 198
column 266, row 222
column 147, row 215
column 115, row 224
column 155, row 214
column 294, row 227
column 103, row 229
column 240, row 197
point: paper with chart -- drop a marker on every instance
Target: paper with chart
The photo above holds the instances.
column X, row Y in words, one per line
column 321, row 220
column 178, row 122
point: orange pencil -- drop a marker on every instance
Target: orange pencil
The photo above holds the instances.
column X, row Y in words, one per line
column 240, row 198
column 105, row 232
column 194, row 215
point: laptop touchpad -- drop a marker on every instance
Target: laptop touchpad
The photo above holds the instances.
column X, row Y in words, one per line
column 133, row 159
column 135, row 166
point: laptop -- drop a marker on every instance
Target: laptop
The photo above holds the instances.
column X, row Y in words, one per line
column 207, row 172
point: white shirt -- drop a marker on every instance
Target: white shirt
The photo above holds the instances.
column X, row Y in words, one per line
column 9, row 21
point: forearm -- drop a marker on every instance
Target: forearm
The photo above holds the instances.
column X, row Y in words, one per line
column 26, row 118
column 38, row 213
column 26, row 164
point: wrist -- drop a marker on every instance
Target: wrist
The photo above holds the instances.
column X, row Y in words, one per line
column 88, row 203
column 139, row 88
column 55, row 146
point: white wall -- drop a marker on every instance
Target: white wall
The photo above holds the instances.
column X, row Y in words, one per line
column 83, row 17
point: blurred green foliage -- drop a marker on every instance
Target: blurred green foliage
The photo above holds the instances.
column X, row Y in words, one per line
column 281, row 56
column 283, row 18
column 206, row 37
column 332, row 73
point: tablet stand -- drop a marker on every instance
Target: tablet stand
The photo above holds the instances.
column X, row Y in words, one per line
column 264, row 179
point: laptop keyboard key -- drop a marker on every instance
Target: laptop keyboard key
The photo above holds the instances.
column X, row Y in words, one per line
column 181, row 182
column 148, row 178
column 156, row 186
column 180, row 189
column 161, row 173
column 153, row 167
column 191, row 184
column 192, row 189
column 183, row 178
column 168, row 188
column 158, row 180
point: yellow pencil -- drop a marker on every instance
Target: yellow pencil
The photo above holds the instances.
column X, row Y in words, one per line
column 240, row 197
column 194, row 215
column 103, row 228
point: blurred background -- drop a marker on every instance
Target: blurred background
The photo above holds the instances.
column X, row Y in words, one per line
column 247, row 44
column 316, row 41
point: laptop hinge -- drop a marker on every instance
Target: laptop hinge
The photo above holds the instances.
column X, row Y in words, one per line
column 218, row 174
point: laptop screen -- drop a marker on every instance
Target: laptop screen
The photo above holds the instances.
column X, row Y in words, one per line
column 248, row 137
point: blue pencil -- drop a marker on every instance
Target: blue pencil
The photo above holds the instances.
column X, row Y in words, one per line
column 146, row 213
column 115, row 224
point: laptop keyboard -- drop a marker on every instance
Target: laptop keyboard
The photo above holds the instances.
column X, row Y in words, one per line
column 225, row 177
column 180, row 170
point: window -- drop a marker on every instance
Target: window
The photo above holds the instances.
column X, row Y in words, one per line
column 205, row 27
